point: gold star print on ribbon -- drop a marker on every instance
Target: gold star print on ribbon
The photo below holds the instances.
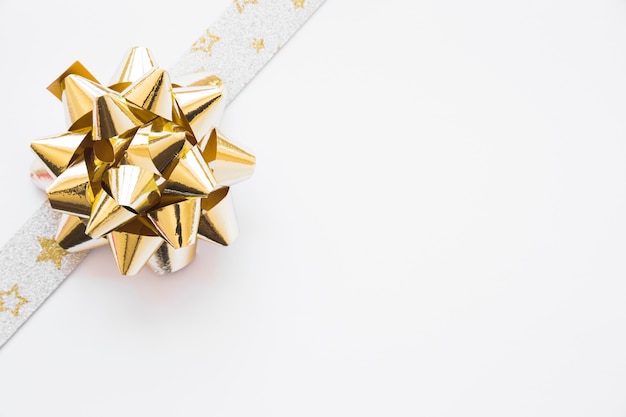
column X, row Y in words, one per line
column 241, row 4
column 205, row 43
column 11, row 301
column 51, row 251
column 258, row 44
column 235, row 58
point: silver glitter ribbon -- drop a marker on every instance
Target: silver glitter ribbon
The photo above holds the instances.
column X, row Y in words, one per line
column 235, row 48
column 245, row 38
column 32, row 266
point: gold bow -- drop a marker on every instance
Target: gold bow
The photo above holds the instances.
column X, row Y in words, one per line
column 142, row 165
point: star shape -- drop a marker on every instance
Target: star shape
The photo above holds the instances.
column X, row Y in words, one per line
column 205, row 43
column 298, row 4
column 143, row 166
column 258, row 44
column 241, row 4
column 51, row 251
column 11, row 301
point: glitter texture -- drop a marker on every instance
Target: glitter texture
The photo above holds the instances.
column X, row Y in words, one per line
column 36, row 276
column 236, row 47
column 235, row 56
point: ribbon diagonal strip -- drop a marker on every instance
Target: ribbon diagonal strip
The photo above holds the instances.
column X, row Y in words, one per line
column 235, row 47
column 245, row 38
column 33, row 265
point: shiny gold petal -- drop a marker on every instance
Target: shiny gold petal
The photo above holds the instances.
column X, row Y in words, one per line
column 138, row 62
column 131, row 251
column 69, row 192
column 106, row 215
column 76, row 68
column 178, row 223
column 71, row 235
column 181, row 120
column 140, row 225
column 155, row 146
column 218, row 222
column 110, row 152
column 167, row 259
column 79, row 94
column 230, row 163
column 112, row 117
column 96, row 169
column 58, row 152
column 165, row 144
column 138, row 153
column 198, row 79
column 192, row 176
column 132, row 187
column 202, row 107
column 168, row 199
column 153, row 92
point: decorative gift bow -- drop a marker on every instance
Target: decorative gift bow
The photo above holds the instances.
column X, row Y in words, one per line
column 142, row 166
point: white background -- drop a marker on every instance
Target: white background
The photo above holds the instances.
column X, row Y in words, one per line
column 436, row 227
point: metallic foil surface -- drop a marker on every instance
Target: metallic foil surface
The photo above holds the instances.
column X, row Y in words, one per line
column 133, row 152
column 140, row 160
